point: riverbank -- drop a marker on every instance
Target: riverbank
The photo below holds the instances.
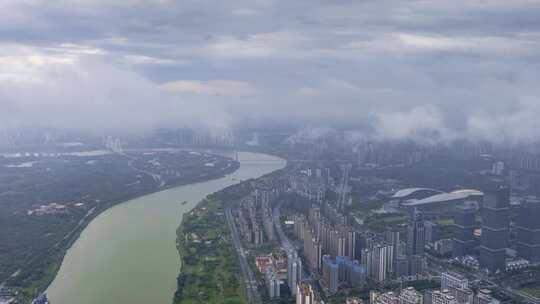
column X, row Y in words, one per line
column 128, row 254
column 57, row 254
column 210, row 271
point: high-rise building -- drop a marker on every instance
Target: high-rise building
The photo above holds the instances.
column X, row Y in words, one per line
column 268, row 224
column 463, row 230
column 416, row 235
column 401, row 267
column 317, row 254
column 393, row 237
column 330, row 274
column 304, row 293
column 377, row 261
column 294, row 270
column 528, row 230
column 273, row 284
column 341, row 244
column 344, row 264
column 417, row 265
column 431, row 232
column 357, row 276
column 312, row 249
column 495, row 227
column 299, row 226
column 351, row 244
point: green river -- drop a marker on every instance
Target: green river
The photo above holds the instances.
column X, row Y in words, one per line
column 127, row 255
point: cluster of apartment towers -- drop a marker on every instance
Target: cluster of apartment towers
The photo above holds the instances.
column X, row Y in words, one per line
column 254, row 217
column 345, row 257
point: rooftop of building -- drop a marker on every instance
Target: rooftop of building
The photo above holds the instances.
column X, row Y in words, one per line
column 444, row 197
column 403, row 193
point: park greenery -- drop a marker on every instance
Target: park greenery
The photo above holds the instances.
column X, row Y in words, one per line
column 210, row 271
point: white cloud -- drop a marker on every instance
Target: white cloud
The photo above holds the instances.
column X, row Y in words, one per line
column 142, row 59
column 255, row 46
column 229, row 46
column 404, row 69
column 26, row 64
column 211, row 87
column 409, row 43
column 486, row 44
column 411, row 124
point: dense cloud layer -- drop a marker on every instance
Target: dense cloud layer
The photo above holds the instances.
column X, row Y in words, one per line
column 395, row 69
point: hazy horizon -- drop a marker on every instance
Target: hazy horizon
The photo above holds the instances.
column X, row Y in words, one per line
column 415, row 69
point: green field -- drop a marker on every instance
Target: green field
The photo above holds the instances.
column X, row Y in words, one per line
column 210, row 267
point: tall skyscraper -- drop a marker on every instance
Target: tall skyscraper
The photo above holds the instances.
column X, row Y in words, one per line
column 432, row 233
column 394, row 238
column 294, row 270
column 495, row 227
column 377, row 261
column 273, row 284
column 463, row 231
column 351, row 244
column 416, row 235
column 528, row 230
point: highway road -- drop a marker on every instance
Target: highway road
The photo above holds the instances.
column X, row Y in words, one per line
column 249, row 278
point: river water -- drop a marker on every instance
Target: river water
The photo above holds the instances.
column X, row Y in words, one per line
column 127, row 255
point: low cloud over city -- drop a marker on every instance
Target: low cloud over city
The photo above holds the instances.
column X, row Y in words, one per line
column 391, row 69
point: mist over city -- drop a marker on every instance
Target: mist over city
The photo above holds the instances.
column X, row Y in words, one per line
column 391, row 69
column 269, row 152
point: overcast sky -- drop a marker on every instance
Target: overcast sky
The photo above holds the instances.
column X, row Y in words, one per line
column 449, row 69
